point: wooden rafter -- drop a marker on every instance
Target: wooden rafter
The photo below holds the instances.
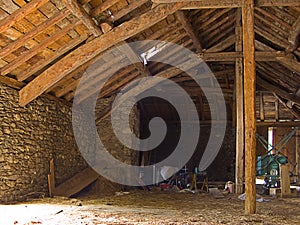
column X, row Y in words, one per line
column 293, row 111
column 43, row 63
column 294, row 35
column 11, row 82
column 127, row 9
column 199, row 4
column 84, row 53
column 20, row 14
column 103, row 6
column 37, row 30
column 221, row 46
column 187, row 26
column 167, row 74
column 38, row 48
column 278, row 91
column 81, row 14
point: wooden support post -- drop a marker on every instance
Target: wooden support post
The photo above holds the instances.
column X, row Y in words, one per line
column 297, row 155
column 239, row 103
column 249, row 104
column 285, row 180
column 51, row 179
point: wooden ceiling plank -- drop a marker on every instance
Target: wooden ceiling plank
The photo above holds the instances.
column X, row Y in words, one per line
column 217, row 25
column 167, row 74
column 271, row 24
column 134, row 58
column 293, row 111
column 272, row 3
column 102, row 7
column 201, row 4
column 221, row 46
column 273, row 17
column 118, row 85
column 294, row 36
column 93, row 48
column 271, row 36
column 196, row 4
column 187, row 26
column 82, row 15
column 11, row 82
column 127, row 9
column 215, row 17
column 280, row 92
column 43, row 63
column 20, row 14
column 39, row 29
column 30, row 53
column 290, row 62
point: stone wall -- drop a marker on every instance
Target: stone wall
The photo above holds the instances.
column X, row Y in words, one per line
column 29, row 137
column 108, row 138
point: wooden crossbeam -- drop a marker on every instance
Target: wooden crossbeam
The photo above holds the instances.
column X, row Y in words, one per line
column 293, row 111
column 38, row 48
column 290, row 62
column 187, row 26
column 43, row 63
column 127, row 9
column 81, row 14
column 84, row 53
column 200, row 4
column 221, row 46
column 294, row 35
column 103, row 6
column 249, row 104
column 134, row 58
column 167, row 74
column 20, row 14
column 278, row 91
column 37, row 30
column 11, row 82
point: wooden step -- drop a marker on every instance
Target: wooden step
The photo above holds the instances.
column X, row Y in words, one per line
column 76, row 183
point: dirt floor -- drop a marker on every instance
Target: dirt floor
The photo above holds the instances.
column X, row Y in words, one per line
column 154, row 207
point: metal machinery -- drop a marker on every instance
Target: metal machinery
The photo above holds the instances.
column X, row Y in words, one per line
column 268, row 165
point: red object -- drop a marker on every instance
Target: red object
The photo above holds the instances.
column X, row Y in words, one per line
column 164, row 186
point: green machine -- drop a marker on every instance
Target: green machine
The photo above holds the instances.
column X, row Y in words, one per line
column 269, row 164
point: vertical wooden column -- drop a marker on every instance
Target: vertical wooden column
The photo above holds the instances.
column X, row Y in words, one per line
column 297, row 154
column 239, row 106
column 285, row 180
column 249, row 105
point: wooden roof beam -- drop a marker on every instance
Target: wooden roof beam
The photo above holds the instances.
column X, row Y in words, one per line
column 278, row 91
column 200, row 4
column 187, row 26
column 167, row 74
column 82, row 15
column 293, row 111
column 20, row 14
column 103, row 6
column 43, row 63
column 86, row 52
column 294, row 36
column 37, row 30
column 221, row 46
column 127, row 9
column 38, row 48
